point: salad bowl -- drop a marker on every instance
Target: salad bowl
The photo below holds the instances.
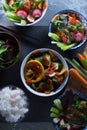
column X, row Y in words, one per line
column 44, row 72
column 9, row 50
column 69, row 111
column 68, row 30
column 25, row 12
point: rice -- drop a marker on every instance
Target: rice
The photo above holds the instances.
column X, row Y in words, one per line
column 13, row 104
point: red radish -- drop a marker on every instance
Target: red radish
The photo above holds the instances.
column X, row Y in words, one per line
column 37, row 13
column 65, row 39
column 78, row 37
column 22, row 13
column 30, row 19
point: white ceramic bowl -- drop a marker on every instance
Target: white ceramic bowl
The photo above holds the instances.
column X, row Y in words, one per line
column 40, row 93
column 27, row 24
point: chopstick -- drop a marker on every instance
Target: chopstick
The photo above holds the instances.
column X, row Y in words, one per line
column 4, row 28
column 16, row 33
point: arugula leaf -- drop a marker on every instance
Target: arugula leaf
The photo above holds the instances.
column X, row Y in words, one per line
column 63, row 16
column 59, row 24
column 18, row 3
column 1, row 42
column 79, row 27
column 71, row 27
column 2, row 50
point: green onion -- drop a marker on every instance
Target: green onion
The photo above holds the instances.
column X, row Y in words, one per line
column 77, row 67
column 63, row 46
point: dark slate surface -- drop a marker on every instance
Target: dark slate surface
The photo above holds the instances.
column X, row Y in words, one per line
column 31, row 38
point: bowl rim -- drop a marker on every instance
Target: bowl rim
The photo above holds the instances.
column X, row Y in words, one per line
column 39, row 93
column 78, row 13
column 19, row 47
column 36, row 21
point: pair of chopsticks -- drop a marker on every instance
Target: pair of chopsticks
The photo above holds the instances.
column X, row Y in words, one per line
column 6, row 29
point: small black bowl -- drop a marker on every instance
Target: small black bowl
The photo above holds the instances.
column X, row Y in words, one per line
column 15, row 54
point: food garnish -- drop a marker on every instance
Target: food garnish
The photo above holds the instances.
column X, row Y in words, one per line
column 34, row 71
column 44, row 72
column 24, row 11
column 66, row 31
column 69, row 111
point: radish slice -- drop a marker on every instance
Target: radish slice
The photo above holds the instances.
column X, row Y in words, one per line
column 37, row 13
column 30, row 19
column 22, row 13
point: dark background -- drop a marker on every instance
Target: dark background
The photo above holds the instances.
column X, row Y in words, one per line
column 31, row 38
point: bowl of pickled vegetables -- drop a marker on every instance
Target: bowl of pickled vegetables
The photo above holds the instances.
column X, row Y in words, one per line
column 68, row 30
column 25, row 12
column 44, row 72
column 69, row 111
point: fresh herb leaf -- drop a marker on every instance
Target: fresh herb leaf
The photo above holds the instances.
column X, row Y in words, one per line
column 79, row 27
column 2, row 50
column 71, row 27
column 63, row 16
column 1, row 42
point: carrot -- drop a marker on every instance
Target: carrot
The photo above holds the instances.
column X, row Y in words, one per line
column 73, row 20
column 10, row 1
column 44, row 5
column 79, row 78
column 81, row 57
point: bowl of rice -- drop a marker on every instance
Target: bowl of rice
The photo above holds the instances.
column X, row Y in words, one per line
column 14, row 104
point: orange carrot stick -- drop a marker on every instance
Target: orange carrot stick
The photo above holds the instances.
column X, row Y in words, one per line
column 76, row 76
column 81, row 57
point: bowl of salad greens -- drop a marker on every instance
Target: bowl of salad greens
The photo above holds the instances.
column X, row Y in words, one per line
column 44, row 72
column 68, row 30
column 25, row 12
column 69, row 111
column 9, row 50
